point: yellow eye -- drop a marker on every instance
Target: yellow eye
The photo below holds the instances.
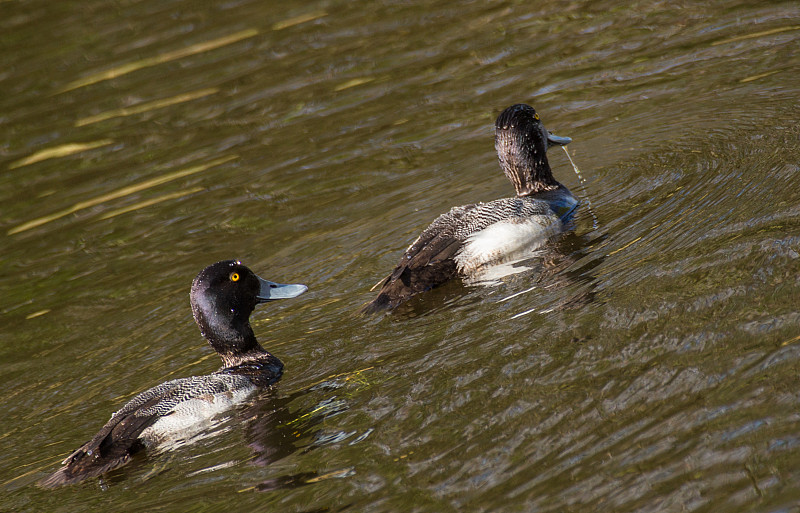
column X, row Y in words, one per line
column 234, row 276
column 536, row 117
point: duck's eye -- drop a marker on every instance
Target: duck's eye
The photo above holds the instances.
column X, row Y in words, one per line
column 536, row 117
column 234, row 276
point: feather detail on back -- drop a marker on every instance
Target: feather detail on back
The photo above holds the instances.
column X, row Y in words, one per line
column 436, row 256
column 126, row 433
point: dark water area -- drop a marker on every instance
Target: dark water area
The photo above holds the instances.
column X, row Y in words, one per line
column 646, row 360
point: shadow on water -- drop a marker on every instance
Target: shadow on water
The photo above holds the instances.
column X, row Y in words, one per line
column 274, row 432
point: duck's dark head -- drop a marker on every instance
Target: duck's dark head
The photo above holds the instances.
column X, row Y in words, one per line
column 223, row 296
column 521, row 141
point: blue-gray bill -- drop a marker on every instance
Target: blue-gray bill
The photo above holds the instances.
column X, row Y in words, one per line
column 270, row 290
column 553, row 140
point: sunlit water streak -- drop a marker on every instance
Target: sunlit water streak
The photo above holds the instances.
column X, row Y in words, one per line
column 647, row 361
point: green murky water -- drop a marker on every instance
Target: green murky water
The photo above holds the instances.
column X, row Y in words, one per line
column 648, row 361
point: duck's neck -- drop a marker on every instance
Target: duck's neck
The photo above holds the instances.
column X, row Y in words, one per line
column 229, row 332
column 239, row 358
column 524, row 162
column 534, row 179
column 235, row 346
column 261, row 367
column 245, row 356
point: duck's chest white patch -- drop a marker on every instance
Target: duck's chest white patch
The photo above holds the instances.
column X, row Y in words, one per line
column 505, row 240
column 192, row 416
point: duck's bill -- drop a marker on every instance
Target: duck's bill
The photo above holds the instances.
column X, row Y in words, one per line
column 271, row 290
column 553, row 140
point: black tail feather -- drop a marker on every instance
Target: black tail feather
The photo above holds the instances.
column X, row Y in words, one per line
column 78, row 471
column 406, row 282
column 112, row 447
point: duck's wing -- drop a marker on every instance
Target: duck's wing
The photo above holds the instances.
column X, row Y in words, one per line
column 118, row 440
column 430, row 260
column 437, row 243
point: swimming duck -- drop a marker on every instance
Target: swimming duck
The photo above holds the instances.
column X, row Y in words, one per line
column 223, row 296
column 468, row 238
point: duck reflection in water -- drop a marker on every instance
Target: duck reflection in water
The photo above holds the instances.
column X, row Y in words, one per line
column 274, row 433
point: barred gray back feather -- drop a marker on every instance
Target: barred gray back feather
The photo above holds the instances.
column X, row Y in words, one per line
column 463, row 221
column 172, row 393
column 118, row 440
column 429, row 260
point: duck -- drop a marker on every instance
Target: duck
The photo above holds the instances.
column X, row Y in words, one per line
column 223, row 295
column 469, row 238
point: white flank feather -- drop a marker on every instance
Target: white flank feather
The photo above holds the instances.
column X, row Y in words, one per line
column 506, row 241
column 190, row 417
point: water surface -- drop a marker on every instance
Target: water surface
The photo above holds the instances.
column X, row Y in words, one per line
column 646, row 361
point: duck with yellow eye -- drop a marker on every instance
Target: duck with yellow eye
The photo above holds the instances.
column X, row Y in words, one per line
column 223, row 296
